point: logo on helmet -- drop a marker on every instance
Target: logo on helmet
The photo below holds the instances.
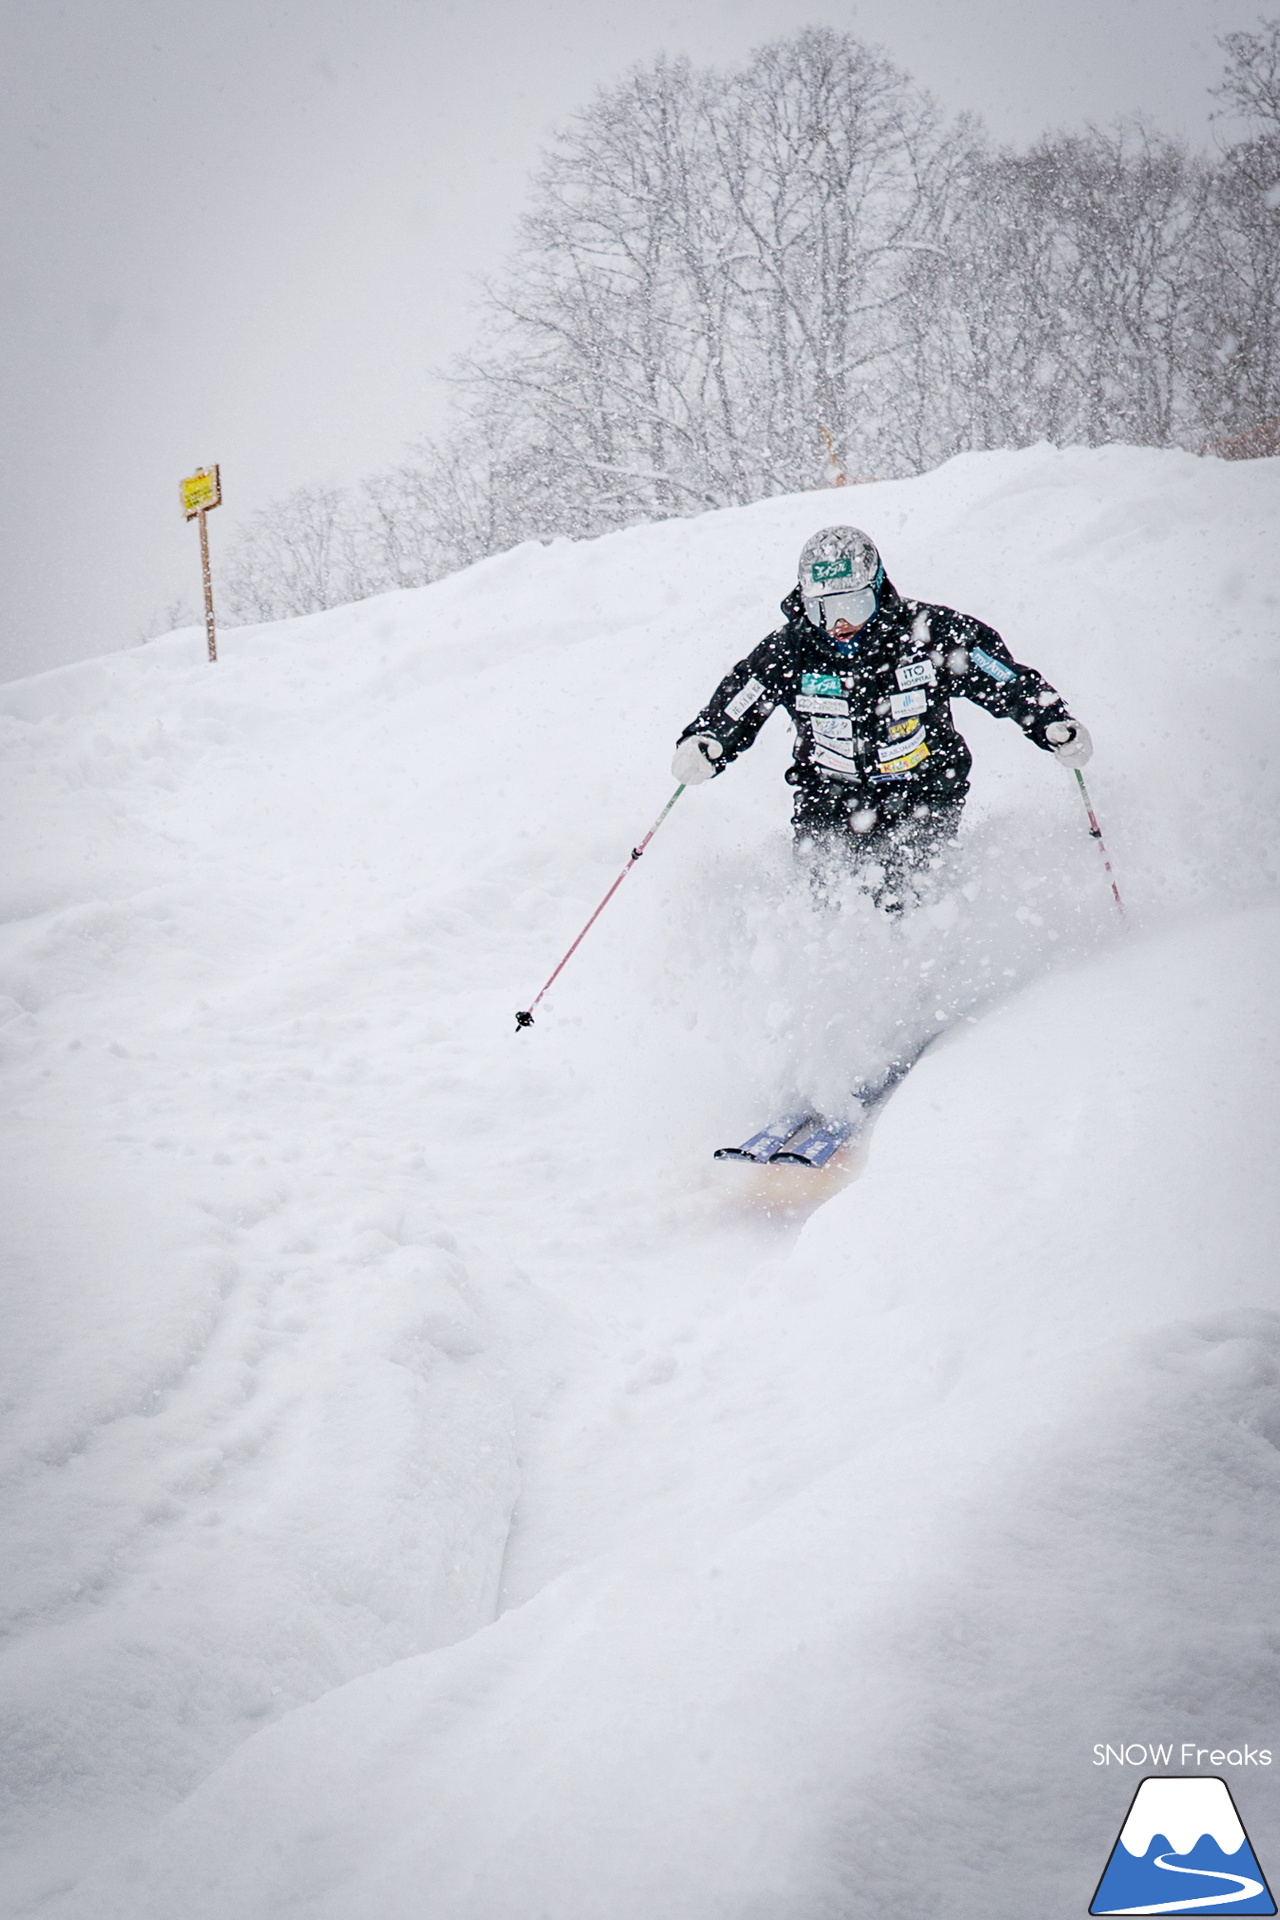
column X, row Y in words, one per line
column 841, row 569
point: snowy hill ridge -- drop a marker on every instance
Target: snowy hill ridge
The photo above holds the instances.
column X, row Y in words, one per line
column 430, row 1484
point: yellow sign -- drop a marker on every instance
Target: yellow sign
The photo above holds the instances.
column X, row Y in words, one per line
column 202, row 491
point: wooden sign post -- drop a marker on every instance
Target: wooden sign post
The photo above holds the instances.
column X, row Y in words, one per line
column 202, row 491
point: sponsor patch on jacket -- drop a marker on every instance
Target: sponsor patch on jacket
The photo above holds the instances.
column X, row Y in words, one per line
column 901, row 704
column 837, row 734
column 833, row 763
column 894, row 749
column 839, row 569
column 826, row 685
column 890, row 769
column 810, row 703
column 901, row 728
column 919, row 674
column 743, row 701
column 994, row 669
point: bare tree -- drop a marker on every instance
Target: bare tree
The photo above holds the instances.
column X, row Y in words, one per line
column 1252, row 80
column 1121, row 207
column 604, row 339
column 1235, row 363
column 709, row 276
column 1061, row 306
column 300, row 555
column 838, row 173
column 981, row 367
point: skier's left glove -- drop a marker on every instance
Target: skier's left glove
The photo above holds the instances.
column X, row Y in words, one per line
column 696, row 758
column 1069, row 742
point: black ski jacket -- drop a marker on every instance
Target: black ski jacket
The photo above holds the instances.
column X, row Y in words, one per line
column 873, row 725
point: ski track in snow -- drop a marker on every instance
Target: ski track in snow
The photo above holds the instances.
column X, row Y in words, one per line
column 430, row 1484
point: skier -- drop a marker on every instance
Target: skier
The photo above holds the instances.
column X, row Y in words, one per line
column 880, row 772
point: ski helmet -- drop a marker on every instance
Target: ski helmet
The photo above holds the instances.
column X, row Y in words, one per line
column 840, row 577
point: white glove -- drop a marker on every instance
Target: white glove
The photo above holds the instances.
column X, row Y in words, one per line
column 695, row 758
column 1069, row 742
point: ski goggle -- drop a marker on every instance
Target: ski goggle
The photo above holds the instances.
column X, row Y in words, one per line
column 828, row 609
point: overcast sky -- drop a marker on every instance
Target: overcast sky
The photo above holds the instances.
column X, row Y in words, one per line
column 247, row 231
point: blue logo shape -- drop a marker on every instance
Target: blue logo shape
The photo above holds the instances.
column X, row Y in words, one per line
column 1183, row 1850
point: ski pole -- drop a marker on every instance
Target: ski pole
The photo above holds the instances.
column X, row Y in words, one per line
column 525, row 1019
column 1096, row 832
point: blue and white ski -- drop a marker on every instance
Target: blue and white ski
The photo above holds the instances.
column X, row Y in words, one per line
column 797, row 1139
column 764, row 1145
column 810, row 1139
column 817, row 1140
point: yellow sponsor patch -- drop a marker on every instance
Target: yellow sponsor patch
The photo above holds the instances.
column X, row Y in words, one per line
column 906, row 761
column 903, row 728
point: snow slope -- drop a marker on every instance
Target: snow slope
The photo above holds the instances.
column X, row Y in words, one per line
column 430, row 1484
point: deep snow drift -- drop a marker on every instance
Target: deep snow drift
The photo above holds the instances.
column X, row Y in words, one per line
column 431, row 1485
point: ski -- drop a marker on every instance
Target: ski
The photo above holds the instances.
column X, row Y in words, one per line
column 815, row 1146
column 762, row 1146
column 800, row 1139
column 808, row 1139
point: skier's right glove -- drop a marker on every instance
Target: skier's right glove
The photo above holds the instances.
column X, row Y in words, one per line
column 1069, row 742
column 695, row 759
